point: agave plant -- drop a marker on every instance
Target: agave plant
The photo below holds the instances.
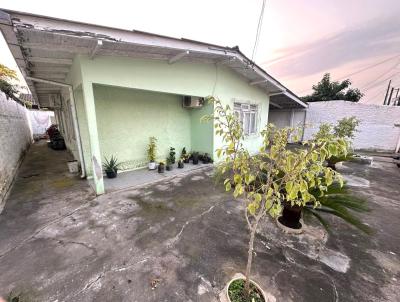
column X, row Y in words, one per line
column 338, row 201
column 111, row 165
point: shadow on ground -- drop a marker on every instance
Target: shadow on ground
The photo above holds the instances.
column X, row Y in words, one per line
column 182, row 239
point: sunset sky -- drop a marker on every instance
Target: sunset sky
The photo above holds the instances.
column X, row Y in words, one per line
column 299, row 42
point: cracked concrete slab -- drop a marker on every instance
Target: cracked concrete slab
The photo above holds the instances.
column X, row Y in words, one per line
column 182, row 240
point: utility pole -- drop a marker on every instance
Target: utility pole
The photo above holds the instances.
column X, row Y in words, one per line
column 390, row 96
column 387, row 92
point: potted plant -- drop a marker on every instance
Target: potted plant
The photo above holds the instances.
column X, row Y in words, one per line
column 206, row 158
column 169, row 164
column 242, row 173
column 195, row 158
column 185, row 156
column 111, row 167
column 161, row 167
column 172, row 155
column 151, row 153
column 345, row 129
column 180, row 164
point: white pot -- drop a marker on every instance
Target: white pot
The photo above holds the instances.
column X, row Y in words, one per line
column 73, row 166
column 152, row 165
column 224, row 297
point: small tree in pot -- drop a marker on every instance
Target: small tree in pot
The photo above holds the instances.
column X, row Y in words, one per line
column 172, row 155
column 169, row 166
column 151, row 153
column 185, row 156
column 276, row 176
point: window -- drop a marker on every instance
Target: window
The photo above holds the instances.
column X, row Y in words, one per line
column 247, row 115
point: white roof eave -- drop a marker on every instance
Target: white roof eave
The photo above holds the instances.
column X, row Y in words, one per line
column 11, row 22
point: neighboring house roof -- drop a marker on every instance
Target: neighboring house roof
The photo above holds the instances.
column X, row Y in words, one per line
column 44, row 47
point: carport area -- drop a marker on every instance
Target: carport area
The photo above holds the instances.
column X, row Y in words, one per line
column 182, row 239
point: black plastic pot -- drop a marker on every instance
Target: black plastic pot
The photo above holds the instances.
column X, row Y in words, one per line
column 169, row 167
column 161, row 168
column 180, row 164
column 186, row 160
column 291, row 216
column 111, row 174
column 195, row 158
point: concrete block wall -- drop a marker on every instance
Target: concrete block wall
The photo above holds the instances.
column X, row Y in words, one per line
column 379, row 128
column 15, row 139
column 379, row 125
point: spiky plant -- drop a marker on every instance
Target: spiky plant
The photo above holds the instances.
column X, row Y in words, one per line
column 111, row 165
column 340, row 202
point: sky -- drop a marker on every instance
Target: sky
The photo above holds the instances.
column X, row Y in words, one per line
column 300, row 40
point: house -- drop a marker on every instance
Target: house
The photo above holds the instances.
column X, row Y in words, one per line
column 111, row 89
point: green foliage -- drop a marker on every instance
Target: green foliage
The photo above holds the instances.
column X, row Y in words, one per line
column 278, row 174
column 171, row 156
column 14, row 296
column 236, row 292
column 326, row 90
column 338, row 201
column 7, row 73
column 346, row 127
column 111, row 165
column 6, row 76
column 8, row 88
column 184, row 154
column 152, row 149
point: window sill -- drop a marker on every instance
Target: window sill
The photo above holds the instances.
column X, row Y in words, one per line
column 253, row 135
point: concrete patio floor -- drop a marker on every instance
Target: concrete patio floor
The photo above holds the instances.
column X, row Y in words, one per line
column 141, row 177
column 182, row 239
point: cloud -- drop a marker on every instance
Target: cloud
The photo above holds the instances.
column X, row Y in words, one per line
column 378, row 37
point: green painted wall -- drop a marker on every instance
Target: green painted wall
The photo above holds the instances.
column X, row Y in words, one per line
column 128, row 117
column 181, row 78
column 83, row 128
column 201, row 133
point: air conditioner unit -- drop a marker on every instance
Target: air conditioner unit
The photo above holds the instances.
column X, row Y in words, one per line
column 192, row 102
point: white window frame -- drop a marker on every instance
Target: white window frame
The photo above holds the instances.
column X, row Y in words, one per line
column 248, row 116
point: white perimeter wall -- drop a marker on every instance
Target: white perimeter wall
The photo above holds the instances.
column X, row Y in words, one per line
column 15, row 138
column 377, row 129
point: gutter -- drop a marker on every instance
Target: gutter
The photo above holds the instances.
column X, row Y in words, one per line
column 74, row 118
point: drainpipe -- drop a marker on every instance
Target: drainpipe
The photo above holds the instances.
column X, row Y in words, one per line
column 304, row 125
column 74, row 117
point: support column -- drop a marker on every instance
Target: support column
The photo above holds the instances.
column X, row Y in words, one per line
column 93, row 137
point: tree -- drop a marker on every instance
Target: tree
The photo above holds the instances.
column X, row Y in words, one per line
column 275, row 176
column 7, row 73
column 326, row 90
column 6, row 76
